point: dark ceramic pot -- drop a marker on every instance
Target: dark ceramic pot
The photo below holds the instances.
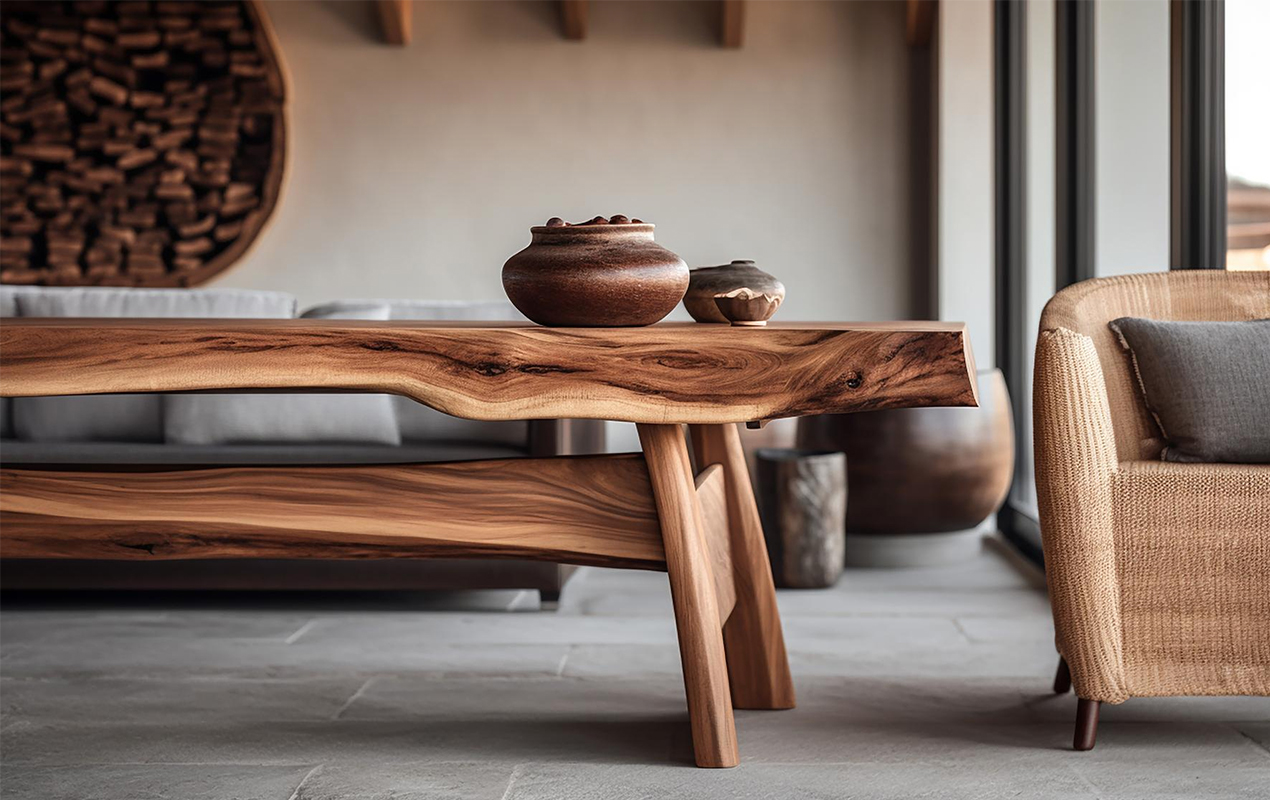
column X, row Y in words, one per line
column 923, row 470
column 595, row 274
column 921, row 479
column 739, row 293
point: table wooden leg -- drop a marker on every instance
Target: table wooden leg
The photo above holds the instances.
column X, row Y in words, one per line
column 692, row 590
column 757, row 665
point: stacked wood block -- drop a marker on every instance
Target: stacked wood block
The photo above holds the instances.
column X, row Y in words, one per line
column 141, row 143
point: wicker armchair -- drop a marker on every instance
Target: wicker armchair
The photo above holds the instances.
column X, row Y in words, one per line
column 1159, row 573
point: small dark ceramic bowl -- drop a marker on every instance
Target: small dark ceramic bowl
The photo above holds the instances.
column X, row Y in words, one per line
column 739, row 293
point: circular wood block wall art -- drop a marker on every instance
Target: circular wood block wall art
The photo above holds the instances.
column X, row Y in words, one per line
column 142, row 143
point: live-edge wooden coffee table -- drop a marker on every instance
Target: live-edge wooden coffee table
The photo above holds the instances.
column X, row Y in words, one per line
column 653, row 511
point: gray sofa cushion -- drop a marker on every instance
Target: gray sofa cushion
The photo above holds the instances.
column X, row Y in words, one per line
column 189, row 303
column 1206, row 383
column 129, row 418
column 203, row 419
column 416, row 421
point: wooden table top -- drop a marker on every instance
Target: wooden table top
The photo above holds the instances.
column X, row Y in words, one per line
column 665, row 373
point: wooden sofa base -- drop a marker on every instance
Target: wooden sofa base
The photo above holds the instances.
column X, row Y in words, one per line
column 651, row 512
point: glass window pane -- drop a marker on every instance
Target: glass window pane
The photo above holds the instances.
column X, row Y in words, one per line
column 1248, row 134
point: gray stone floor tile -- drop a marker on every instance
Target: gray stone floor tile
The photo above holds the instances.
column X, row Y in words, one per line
column 56, row 701
column 134, row 625
column 1257, row 733
column 155, row 658
column 968, row 661
column 1179, row 779
column 430, row 630
column 152, row 782
column 811, row 736
column 1030, row 629
column 407, row 698
column 1167, row 709
column 615, row 661
column 847, row 636
column 418, row 781
column 766, row 781
column 920, row 603
column 911, row 683
column 646, row 737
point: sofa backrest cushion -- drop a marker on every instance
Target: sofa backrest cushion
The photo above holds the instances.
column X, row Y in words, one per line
column 1087, row 307
column 417, row 422
column 1207, row 384
column 123, row 418
column 211, row 419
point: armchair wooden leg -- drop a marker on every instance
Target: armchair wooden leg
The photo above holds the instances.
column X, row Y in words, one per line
column 1086, row 724
column 1063, row 678
column 757, row 664
column 693, row 592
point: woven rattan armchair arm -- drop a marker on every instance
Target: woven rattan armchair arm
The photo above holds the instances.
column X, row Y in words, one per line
column 1075, row 453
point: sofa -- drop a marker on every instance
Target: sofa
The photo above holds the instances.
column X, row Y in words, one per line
column 132, row 431
column 1158, row 571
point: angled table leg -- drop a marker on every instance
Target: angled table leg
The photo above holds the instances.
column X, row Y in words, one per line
column 692, row 590
column 757, row 665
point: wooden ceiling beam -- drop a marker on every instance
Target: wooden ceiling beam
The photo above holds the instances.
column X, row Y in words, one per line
column 573, row 19
column 395, row 17
column 732, row 33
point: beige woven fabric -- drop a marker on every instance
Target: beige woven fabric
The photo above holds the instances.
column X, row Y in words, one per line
column 1159, row 573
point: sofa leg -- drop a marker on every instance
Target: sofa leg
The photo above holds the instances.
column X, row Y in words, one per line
column 548, row 599
column 1063, row 678
column 1086, row 724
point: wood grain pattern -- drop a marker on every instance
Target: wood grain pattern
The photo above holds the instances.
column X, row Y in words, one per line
column 692, row 590
column 732, row 31
column 584, row 510
column 712, row 496
column 671, row 372
column 395, row 20
column 758, row 668
column 573, row 19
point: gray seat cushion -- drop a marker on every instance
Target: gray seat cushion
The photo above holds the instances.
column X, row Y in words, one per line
column 123, row 418
column 198, row 419
column 417, row 422
column 1206, row 383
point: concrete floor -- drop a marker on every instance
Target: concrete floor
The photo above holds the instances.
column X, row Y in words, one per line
column 922, row 683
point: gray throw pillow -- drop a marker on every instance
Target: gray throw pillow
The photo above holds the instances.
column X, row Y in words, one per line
column 211, row 419
column 1206, row 383
column 123, row 417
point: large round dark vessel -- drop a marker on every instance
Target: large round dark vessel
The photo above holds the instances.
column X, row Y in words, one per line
column 915, row 474
column 599, row 273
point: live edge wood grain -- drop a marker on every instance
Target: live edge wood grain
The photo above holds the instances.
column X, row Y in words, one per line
column 676, row 372
column 583, row 510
